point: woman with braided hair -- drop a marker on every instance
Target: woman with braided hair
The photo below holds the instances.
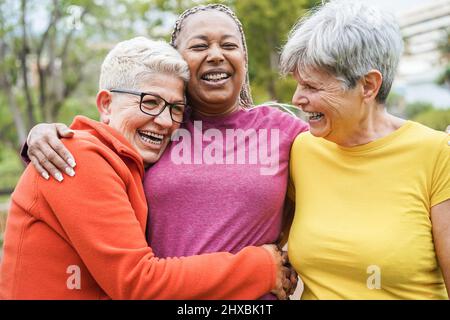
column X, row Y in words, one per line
column 221, row 183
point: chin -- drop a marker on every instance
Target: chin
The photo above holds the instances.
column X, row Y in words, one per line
column 150, row 159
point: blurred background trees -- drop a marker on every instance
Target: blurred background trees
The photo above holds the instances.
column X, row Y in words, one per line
column 51, row 51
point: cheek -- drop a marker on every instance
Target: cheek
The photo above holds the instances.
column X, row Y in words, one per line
column 238, row 61
column 129, row 124
column 192, row 60
column 330, row 102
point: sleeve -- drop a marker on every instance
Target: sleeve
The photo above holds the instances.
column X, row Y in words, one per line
column 289, row 204
column 293, row 126
column 440, row 186
column 95, row 212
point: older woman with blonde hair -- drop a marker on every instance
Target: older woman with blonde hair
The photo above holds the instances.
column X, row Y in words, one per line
column 372, row 190
column 85, row 238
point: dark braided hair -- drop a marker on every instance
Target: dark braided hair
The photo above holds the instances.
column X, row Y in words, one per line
column 245, row 98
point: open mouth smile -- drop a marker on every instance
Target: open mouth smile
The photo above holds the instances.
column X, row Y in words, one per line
column 215, row 76
column 314, row 116
column 151, row 137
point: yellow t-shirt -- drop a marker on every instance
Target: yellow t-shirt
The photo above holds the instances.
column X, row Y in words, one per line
column 362, row 227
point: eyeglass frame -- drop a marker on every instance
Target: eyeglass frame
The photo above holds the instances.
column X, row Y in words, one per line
column 143, row 94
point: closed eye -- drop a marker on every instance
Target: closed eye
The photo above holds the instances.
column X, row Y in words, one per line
column 198, row 47
column 230, row 46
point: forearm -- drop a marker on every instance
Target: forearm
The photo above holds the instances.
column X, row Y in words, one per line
column 442, row 247
column 247, row 275
column 440, row 216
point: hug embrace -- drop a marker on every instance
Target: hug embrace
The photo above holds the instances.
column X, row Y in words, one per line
column 186, row 190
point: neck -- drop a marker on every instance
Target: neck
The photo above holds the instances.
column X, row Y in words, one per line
column 207, row 111
column 374, row 123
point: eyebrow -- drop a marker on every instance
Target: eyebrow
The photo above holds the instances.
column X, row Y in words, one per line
column 205, row 38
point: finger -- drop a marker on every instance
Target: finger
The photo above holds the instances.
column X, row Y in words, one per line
column 281, row 295
column 286, row 284
column 63, row 153
column 294, row 283
column 39, row 168
column 284, row 257
column 49, row 167
column 64, row 131
column 56, row 160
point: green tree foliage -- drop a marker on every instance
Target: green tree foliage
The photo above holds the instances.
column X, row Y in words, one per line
column 437, row 119
column 49, row 48
column 50, row 54
column 416, row 108
column 267, row 23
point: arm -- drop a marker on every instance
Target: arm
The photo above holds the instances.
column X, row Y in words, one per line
column 95, row 213
column 47, row 153
column 440, row 218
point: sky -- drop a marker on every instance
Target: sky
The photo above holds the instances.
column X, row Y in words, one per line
column 397, row 6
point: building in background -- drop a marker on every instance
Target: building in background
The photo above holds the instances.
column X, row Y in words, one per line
column 425, row 28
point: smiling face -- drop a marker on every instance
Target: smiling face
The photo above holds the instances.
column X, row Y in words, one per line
column 210, row 42
column 331, row 111
column 149, row 135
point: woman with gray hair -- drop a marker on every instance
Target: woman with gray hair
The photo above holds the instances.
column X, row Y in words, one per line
column 372, row 191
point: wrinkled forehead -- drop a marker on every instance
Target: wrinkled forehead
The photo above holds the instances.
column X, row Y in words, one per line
column 209, row 19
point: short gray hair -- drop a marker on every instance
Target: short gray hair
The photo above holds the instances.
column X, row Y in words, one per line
column 133, row 61
column 346, row 39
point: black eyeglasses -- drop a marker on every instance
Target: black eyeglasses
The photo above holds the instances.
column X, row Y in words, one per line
column 153, row 105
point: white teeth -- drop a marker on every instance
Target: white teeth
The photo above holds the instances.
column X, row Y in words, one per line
column 151, row 137
column 313, row 115
column 153, row 134
column 150, row 141
column 215, row 76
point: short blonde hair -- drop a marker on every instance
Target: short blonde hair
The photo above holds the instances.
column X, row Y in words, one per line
column 133, row 61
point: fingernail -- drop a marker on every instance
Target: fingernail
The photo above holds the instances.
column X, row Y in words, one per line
column 58, row 176
column 70, row 171
column 71, row 162
column 45, row 175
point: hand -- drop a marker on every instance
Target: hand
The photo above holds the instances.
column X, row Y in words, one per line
column 47, row 153
column 286, row 281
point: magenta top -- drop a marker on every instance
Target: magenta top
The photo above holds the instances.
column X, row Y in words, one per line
column 222, row 185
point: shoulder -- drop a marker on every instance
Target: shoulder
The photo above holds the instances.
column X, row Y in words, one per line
column 304, row 139
column 93, row 154
column 281, row 116
column 276, row 111
column 429, row 138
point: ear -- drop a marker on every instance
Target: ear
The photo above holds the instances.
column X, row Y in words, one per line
column 104, row 100
column 371, row 84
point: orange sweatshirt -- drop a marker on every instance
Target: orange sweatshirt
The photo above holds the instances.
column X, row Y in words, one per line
column 84, row 238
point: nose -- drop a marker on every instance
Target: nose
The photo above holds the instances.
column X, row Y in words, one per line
column 299, row 99
column 164, row 119
column 215, row 54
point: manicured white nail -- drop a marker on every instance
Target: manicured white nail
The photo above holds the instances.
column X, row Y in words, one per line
column 45, row 175
column 71, row 162
column 70, row 172
column 58, row 176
